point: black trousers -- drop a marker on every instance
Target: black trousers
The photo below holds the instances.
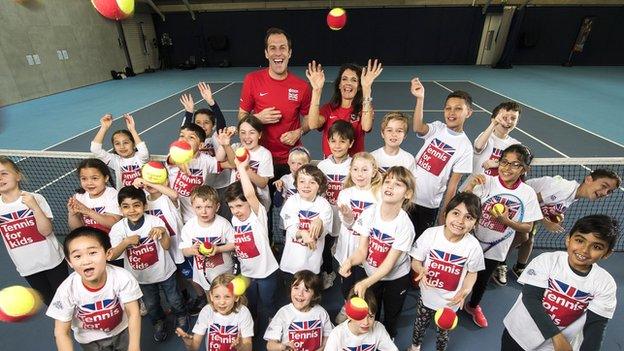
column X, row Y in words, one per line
column 482, row 280
column 346, row 284
column 279, row 170
column 422, row 218
column 508, row 343
column 391, row 295
column 46, row 282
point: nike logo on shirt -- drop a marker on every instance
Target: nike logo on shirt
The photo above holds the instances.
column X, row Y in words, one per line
column 263, row 94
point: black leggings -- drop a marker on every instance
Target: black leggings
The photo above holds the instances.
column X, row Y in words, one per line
column 391, row 294
column 346, row 284
column 508, row 343
column 46, row 282
column 328, row 260
column 482, row 280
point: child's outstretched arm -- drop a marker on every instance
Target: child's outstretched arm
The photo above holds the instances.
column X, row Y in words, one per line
column 206, row 93
column 134, row 325
column 224, row 136
column 482, row 140
column 418, row 90
column 369, row 74
column 384, row 268
column 532, row 297
column 248, row 189
column 466, row 288
column 189, row 107
column 62, row 335
column 192, row 341
column 451, row 191
column 96, row 144
column 315, row 75
column 141, row 149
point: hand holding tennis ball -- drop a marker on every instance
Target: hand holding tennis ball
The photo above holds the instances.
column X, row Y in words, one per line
column 497, row 210
column 206, row 248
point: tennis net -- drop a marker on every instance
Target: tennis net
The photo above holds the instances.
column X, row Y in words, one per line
column 52, row 174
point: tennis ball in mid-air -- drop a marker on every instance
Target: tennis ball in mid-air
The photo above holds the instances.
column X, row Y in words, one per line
column 446, row 318
column 336, row 18
column 180, row 152
column 18, row 303
column 154, row 172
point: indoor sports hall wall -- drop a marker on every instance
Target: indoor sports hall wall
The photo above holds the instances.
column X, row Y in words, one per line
column 401, row 36
column 547, row 34
column 43, row 28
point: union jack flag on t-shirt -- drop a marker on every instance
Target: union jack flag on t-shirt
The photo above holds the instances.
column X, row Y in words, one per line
column 364, row 347
column 439, row 255
column 13, row 216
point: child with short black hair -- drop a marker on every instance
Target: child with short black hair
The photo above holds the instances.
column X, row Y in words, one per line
column 364, row 334
column 143, row 241
column 556, row 195
column 99, row 302
column 129, row 151
column 445, row 156
column 336, row 168
column 446, row 260
column 184, row 178
column 394, row 129
column 303, row 324
column 567, row 299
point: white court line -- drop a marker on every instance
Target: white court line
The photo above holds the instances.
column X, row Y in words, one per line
column 131, row 112
column 164, row 120
column 518, row 129
column 550, row 115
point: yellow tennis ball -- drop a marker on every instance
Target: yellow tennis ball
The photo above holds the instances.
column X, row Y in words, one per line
column 154, row 172
column 238, row 285
column 18, row 303
column 180, row 152
column 497, row 209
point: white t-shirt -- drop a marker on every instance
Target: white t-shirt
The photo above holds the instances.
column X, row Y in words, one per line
column 104, row 204
column 166, row 210
column 305, row 329
column 221, row 179
column 261, row 162
column 288, row 189
column 336, row 174
column 385, row 161
column 567, row 298
column 298, row 214
column 443, row 152
column 447, row 264
column 221, row 331
column 348, row 240
column 383, row 236
column 219, row 232
column 95, row 315
column 199, row 168
column 521, row 202
column 30, row 251
column 557, row 193
column 147, row 261
column 377, row 339
column 126, row 169
column 252, row 245
column 493, row 150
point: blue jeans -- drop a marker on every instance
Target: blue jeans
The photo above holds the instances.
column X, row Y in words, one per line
column 151, row 298
column 263, row 291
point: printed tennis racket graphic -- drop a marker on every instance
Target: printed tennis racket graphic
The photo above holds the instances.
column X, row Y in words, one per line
column 515, row 209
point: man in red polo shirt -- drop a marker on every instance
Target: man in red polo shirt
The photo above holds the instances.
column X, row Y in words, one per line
column 277, row 98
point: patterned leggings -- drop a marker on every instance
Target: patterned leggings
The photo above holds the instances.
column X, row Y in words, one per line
column 424, row 315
